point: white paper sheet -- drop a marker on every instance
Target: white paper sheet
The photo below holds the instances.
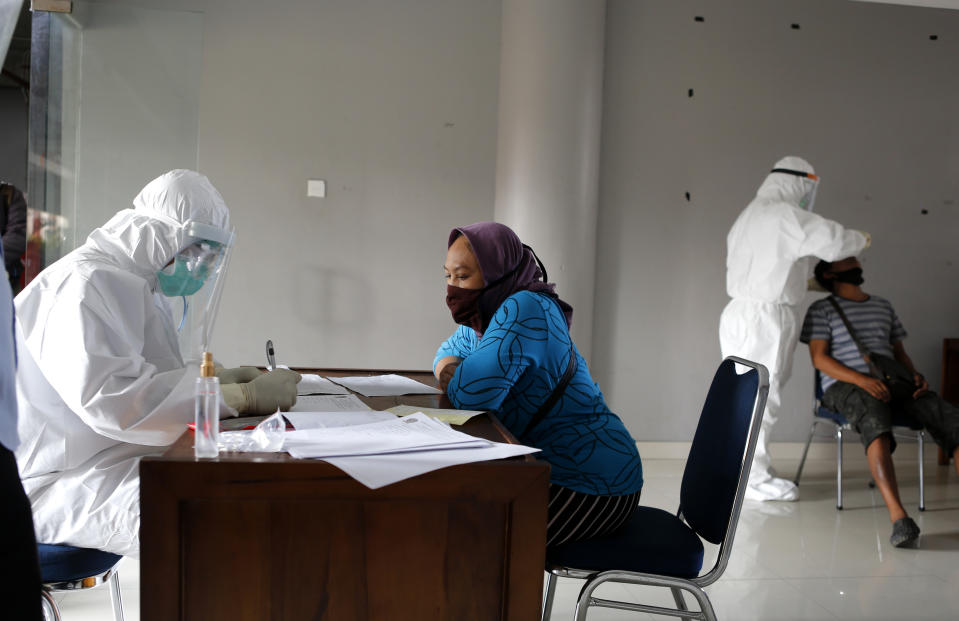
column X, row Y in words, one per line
column 376, row 471
column 323, row 420
column 386, row 386
column 313, row 384
column 329, row 403
column 414, row 432
column 453, row 417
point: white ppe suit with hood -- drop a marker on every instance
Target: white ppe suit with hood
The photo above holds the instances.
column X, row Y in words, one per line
column 101, row 382
column 771, row 248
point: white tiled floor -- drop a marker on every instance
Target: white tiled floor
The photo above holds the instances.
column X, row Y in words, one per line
column 802, row 560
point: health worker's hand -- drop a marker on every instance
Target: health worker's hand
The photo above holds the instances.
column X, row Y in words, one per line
column 271, row 391
column 238, row 375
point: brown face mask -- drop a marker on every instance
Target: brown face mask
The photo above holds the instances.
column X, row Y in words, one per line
column 464, row 306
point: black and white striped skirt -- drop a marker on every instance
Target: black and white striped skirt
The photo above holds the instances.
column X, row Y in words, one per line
column 573, row 515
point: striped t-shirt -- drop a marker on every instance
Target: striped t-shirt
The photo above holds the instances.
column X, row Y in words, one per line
column 873, row 319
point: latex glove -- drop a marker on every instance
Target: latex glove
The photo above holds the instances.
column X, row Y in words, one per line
column 813, row 285
column 238, row 375
column 265, row 394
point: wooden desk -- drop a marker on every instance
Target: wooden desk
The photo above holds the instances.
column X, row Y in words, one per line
column 262, row 536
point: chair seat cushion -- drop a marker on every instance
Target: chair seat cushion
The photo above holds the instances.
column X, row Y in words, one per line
column 835, row 417
column 652, row 541
column 64, row 563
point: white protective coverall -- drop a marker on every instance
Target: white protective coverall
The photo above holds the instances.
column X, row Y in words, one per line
column 101, row 382
column 771, row 249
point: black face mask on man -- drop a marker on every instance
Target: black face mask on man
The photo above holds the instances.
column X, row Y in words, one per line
column 852, row 276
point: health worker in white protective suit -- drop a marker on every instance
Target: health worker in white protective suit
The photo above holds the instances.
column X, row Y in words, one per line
column 772, row 247
column 108, row 366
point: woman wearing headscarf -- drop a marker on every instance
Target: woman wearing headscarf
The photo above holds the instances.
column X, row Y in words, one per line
column 512, row 354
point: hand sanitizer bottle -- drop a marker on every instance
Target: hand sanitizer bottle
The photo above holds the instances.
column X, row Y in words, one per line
column 207, row 410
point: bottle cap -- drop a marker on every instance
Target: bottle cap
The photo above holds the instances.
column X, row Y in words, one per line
column 207, row 369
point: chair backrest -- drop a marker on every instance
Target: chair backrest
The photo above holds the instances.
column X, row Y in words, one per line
column 714, row 481
column 817, row 379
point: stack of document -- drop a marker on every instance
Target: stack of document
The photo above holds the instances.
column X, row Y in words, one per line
column 453, row 417
column 329, row 403
column 320, row 420
column 390, row 385
column 380, row 453
column 400, row 435
column 385, row 385
column 313, row 384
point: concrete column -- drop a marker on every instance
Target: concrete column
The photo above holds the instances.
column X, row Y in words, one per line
column 547, row 165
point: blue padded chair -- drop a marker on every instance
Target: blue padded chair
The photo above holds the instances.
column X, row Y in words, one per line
column 658, row 548
column 65, row 568
column 903, row 427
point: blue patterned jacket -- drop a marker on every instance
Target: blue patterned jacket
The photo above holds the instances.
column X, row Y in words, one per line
column 513, row 369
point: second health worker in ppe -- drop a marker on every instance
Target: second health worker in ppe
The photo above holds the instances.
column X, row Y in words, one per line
column 107, row 364
column 771, row 249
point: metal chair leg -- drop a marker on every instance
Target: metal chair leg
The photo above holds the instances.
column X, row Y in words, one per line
column 49, row 606
column 548, row 598
column 680, row 602
column 839, row 468
column 802, row 462
column 922, row 482
column 583, row 600
column 705, row 605
column 115, row 596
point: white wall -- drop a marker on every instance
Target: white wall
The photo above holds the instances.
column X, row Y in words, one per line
column 859, row 90
column 394, row 105
column 134, row 88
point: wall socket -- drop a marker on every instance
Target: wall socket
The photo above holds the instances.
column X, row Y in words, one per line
column 316, row 188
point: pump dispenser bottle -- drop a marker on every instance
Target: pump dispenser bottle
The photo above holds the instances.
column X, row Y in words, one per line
column 207, row 410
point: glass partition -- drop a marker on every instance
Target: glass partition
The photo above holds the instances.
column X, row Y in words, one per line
column 114, row 103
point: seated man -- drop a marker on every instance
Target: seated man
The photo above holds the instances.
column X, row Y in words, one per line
column 867, row 402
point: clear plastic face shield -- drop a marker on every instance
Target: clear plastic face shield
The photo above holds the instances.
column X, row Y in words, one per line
column 810, row 184
column 196, row 276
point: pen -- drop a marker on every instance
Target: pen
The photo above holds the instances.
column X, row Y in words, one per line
column 270, row 359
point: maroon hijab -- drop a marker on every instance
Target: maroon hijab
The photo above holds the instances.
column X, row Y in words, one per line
column 508, row 264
